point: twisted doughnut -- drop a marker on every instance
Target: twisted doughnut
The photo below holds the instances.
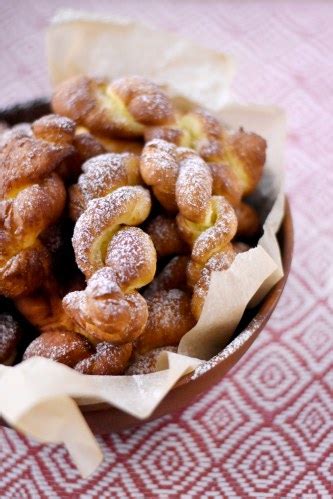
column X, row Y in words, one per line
column 32, row 197
column 180, row 179
column 169, row 318
column 240, row 155
column 101, row 175
column 77, row 352
column 207, row 223
column 116, row 261
column 102, row 219
column 120, row 109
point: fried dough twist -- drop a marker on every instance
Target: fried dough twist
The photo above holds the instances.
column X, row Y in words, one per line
column 236, row 159
column 117, row 259
column 207, row 223
column 122, row 108
column 32, row 197
column 101, row 175
column 74, row 350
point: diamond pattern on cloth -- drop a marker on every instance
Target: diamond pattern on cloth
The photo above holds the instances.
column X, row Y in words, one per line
column 266, row 429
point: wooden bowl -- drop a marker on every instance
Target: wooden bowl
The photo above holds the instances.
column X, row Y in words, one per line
column 103, row 418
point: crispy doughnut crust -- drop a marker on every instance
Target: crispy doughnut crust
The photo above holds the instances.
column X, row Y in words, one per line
column 169, row 318
column 209, row 238
column 225, row 183
column 219, row 262
column 102, row 218
column 145, row 100
column 248, row 221
column 103, row 312
column 24, row 161
column 172, row 276
column 64, row 347
column 25, row 272
column 179, row 178
column 26, row 216
column 159, row 169
column 55, row 129
column 101, row 175
column 132, row 257
column 44, row 310
column 193, row 186
column 74, row 350
column 166, row 237
column 108, row 360
column 121, row 109
column 246, row 153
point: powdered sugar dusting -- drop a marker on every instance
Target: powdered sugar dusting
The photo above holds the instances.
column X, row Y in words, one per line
column 126, row 204
column 159, row 165
column 144, row 99
column 219, row 262
column 132, row 255
column 146, row 363
column 104, row 173
column 193, row 187
column 214, row 238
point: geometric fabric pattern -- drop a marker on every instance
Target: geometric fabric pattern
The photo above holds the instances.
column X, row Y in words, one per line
column 265, row 431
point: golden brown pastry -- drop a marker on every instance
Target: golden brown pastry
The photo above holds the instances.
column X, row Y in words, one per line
column 219, row 262
column 64, row 347
column 240, row 155
column 101, row 175
column 209, row 238
column 120, row 109
column 180, row 179
column 77, row 352
column 32, row 197
column 117, row 260
column 10, row 334
column 87, row 146
column 172, row 276
column 147, row 362
column 169, row 318
column 103, row 218
column 107, row 360
column 248, row 221
column 244, row 153
column 104, row 312
column 166, row 237
column 44, row 309
column 207, row 223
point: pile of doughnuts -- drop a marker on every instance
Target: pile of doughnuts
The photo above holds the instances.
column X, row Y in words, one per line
column 114, row 212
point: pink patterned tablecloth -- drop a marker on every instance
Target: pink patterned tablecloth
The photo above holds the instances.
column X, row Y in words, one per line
column 266, row 429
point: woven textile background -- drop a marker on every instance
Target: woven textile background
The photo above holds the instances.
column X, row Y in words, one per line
column 266, row 429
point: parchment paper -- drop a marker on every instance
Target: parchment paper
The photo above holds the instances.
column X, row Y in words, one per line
column 37, row 396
